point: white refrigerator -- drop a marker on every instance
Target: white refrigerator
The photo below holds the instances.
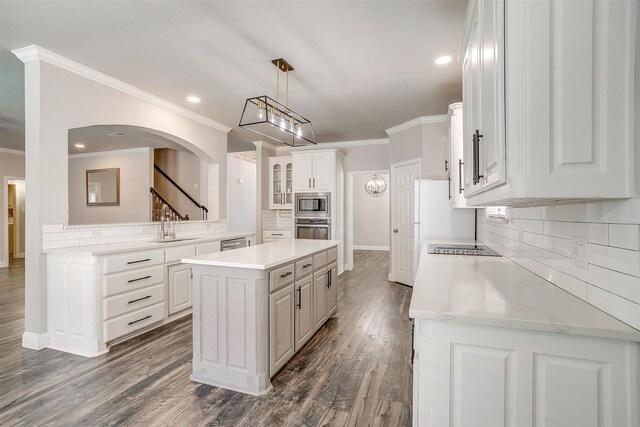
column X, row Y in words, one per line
column 435, row 218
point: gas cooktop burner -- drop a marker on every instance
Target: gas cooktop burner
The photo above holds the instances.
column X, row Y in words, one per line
column 474, row 250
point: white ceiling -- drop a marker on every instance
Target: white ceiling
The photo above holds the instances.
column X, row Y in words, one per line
column 360, row 67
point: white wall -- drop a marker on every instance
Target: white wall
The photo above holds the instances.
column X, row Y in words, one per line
column 134, row 187
column 427, row 141
column 11, row 165
column 241, row 191
column 370, row 216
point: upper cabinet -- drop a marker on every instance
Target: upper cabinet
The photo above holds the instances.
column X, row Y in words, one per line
column 281, row 182
column 455, row 156
column 548, row 100
column 313, row 171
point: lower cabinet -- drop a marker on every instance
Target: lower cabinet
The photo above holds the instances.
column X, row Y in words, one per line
column 180, row 292
column 281, row 327
column 304, row 311
column 332, row 289
column 320, row 313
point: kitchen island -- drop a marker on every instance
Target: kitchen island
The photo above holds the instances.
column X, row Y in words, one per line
column 497, row 345
column 255, row 307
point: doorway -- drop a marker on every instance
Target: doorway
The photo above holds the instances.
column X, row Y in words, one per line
column 403, row 178
column 367, row 216
column 14, row 212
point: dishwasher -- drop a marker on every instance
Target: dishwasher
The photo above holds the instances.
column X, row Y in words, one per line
column 227, row 245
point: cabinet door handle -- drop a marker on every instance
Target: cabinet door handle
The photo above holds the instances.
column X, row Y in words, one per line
column 138, row 279
column 395, row 230
column 314, row 183
column 288, row 273
column 460, row 164
column 139, row 299
column 476, row 157
column 309, row 182
column 446, row 165
column 140, row 320
column 299, row 297
column 449, row 179
column 138, row 261
column 328, row 279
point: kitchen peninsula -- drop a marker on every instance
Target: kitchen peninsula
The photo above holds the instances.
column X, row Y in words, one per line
column 255, row 307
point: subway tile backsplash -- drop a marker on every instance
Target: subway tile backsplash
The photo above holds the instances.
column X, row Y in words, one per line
column 591, row 250
column 62, row 236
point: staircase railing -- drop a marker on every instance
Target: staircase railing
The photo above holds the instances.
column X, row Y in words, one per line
column 156, row 211
column 203, row 209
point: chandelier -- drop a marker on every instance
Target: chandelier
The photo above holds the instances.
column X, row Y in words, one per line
column 375, row 186
column 268, row 117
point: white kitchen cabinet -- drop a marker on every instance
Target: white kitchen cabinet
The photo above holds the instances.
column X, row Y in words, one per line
column 180, row 293
column 208, row 248
column 332, row 289
column 304, row 325
column 314, row 171
column 319, row 298
column 456, row 162
column 281, row 182
column 564, row 71
column 281, row 328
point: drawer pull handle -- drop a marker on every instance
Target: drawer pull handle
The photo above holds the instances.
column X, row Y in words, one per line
column 140, row 320
column 288, row 273
column 307, row 265
column 139, row 299
column 138, row 261
column 139, row 278
column 276, row 234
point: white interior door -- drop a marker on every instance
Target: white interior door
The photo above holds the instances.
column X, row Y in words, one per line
column 403, row 177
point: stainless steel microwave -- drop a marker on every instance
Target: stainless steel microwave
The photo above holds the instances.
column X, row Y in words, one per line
column 313, row 205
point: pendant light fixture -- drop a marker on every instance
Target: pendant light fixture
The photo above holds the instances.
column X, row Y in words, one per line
column 375, row 186
column 268, row 117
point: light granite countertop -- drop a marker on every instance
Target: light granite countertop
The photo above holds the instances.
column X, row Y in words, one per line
column 495, row 291
column 263, row 257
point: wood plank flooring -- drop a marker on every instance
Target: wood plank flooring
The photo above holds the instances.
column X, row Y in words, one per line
column 354, row 372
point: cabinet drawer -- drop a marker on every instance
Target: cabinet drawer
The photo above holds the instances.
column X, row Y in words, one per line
column 280, row 277
column 124, row 325
column 332, row 255
column 304, row 267
column 319, row 260
column 276, row 234
column 133, row 261
column 208, row 248
column 131, row 301
column 176, row 254
column 131, row 280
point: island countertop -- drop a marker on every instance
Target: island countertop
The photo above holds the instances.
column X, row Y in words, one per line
column 496, row 291
column 263, row 257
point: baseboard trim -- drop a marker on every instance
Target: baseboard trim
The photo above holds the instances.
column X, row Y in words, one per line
column 370, row 248
column 35, row 341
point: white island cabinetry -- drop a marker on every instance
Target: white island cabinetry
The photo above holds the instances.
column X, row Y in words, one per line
column 254, row 309
column 496, row 345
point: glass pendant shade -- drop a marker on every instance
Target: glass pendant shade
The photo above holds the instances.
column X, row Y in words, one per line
column 280, row 123
column 375, row 186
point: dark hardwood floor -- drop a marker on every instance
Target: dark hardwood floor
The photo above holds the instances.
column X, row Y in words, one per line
column 354, row 372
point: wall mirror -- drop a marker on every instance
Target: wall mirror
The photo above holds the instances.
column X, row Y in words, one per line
column 103, row 187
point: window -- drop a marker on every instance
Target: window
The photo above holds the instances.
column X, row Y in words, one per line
column 496, row 212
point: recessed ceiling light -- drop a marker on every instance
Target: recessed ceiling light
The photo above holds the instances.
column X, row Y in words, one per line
column 443, row 60
column 193, row 99
column 116, row 134
column 79, row 145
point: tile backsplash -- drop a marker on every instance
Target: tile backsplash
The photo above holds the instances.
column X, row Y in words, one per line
column 280, row 219
column 64, row 236
column 591, row 250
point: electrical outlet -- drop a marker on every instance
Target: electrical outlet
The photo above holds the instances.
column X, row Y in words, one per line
column 579, row 251
column 96, row 233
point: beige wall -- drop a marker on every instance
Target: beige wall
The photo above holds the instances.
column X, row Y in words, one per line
column 11, row 165
column 426, row 141
column 241, row 179
column 184, row 168
column 370, row 215
column 134, row 188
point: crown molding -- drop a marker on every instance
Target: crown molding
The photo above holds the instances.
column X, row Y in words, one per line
column 110, row 153
column 265, row 144
column 34, row 52
column 337, row 144
column 11, row 151
column 424, row 120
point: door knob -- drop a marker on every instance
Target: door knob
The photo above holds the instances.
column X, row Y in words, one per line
column 395, row 230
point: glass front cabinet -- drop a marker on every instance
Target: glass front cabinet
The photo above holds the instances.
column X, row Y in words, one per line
column 281, row 182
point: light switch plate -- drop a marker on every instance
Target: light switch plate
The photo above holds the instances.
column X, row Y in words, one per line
column 579, row 251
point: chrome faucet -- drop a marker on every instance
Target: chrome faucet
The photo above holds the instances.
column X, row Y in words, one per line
column 165, row 223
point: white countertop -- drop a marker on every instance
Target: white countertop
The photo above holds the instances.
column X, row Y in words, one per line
column 263, row 257
column 498, row 292
column 111, row 248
